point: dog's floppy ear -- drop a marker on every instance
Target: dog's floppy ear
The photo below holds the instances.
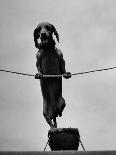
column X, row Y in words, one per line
column 55, row 33
column 36, row 36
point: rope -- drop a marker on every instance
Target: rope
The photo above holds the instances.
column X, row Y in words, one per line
column 97, row 70
column 46, row 145
column 82, row 145
column 3, row 70
column 80, row 73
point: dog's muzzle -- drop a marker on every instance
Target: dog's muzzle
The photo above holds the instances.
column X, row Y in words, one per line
column 44, row 37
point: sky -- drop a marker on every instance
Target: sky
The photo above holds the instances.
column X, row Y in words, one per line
column 87, row 30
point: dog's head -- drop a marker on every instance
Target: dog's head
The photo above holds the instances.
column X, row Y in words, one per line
column 44, row 32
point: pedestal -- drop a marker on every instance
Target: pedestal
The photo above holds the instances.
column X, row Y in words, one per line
column 63, row 139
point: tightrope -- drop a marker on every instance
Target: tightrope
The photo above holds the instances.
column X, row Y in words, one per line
column 80, row 73
column 3, row 70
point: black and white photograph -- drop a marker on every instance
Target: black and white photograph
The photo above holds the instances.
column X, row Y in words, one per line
column 58, row 76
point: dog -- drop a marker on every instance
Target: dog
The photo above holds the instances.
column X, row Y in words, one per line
column 50, row 62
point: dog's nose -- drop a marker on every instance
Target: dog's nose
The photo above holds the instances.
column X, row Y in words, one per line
column 43, row 34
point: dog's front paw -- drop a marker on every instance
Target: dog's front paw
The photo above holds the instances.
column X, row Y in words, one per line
column 38, row 76
column 67, row 75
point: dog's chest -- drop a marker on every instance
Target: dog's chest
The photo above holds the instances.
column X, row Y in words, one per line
column 50, row 63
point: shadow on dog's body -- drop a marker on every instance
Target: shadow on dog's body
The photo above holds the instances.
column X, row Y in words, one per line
column 50, row 62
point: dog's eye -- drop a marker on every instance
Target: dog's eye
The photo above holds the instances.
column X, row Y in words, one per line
column 48, row 28
column 39, row 29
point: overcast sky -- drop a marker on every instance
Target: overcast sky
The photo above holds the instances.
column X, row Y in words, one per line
column 87, row 30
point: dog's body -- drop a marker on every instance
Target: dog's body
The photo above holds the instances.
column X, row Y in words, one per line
column 50, row 62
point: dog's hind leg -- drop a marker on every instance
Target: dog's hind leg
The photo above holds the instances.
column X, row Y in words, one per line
column 55, row 122
column 49, row 121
